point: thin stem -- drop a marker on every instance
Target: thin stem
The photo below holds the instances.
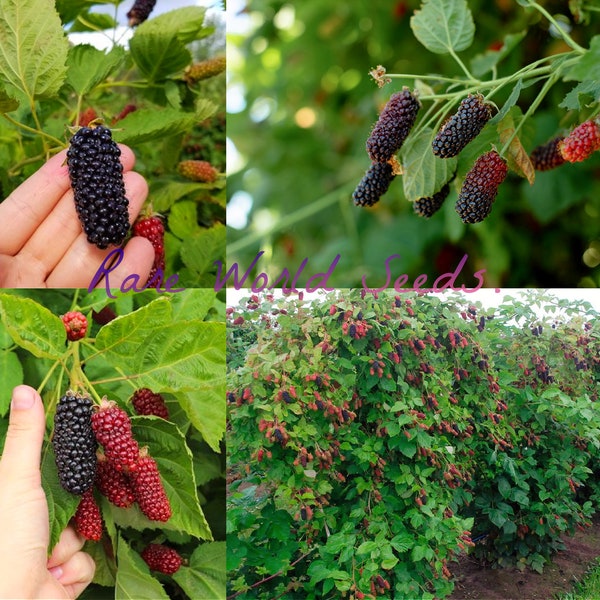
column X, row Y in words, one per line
column 424, row 77
column 47, row 377
column 565, row 36
column 35, row 131
column 461, row 65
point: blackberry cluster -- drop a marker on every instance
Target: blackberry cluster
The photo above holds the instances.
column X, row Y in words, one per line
column 97, row 180
column 113, row 484
column 146, row 402
column 393, row 126
column 74, row 443
column 112, row 427
column 374, row 184
column 427, row 207
column 140, row 11
column 162, row 558
column 547, row 156
column 462, row 127
column 480, row 187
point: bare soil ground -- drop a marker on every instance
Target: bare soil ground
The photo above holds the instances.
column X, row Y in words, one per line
column 474, row 582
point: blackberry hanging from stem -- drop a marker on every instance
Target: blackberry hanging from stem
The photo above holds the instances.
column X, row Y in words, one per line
column 140, row 11
column 99, row 190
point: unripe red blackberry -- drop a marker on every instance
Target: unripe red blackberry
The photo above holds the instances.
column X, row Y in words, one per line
column 127, row 109
column 205, row 69
column 112, row 428
column 75, row 325
column 153, row 230
column 162, row 558
column 146, row 402
column 148, row 489
column 393, row 126
column 88, row 518
column 547, row 156
column 480, row 187
column 74, row 443
column 581, row 142
column 462, row 127
column 140, row 11
column 373, row 185
column 113, row 484
column 97, row 180
column 427, row 207
column 197, row 170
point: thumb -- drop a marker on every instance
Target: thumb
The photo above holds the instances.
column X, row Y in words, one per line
column 23, row 445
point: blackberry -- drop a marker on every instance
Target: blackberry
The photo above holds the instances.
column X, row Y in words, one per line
column 97, row 180
column 88, row 518
column 113, row 484
column 146, row 402
column 197, row 170
column 75, row 325
column 393, row 126
column 462, row 127
column 153, row 230
column 148, row 489
column 374, row 184
column 140, row 11
column 112, row 428
column 480, row 187
column 74, row 443
column 162, row 558
column 427, row 207
column 547, row 156
column 581, row 142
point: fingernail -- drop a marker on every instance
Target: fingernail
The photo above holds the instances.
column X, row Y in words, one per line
column 22, row 399
column 56, row 572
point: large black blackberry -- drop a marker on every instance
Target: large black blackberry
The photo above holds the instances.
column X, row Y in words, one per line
column 393, row 126
column 97, row 180
column 427, row 207
column 462, row 127
column 74, row 443
column 140, row 11
column 374, row 184
column 480, row 187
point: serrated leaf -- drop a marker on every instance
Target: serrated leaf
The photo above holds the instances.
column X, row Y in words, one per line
column 145, row 124
column 11, row 375
column 87, row 66
column 133, row 577
column 158, row 54
column 32, row 326
column 61, row 504
column 424, row 174
column 518, row 159
column 201, row 250
column 482, row 63
column 192, row 305
column 33, row 47
column 186, row 24
column 444, row 25
column 205, row 577
column 588, row 65
column 575, row 99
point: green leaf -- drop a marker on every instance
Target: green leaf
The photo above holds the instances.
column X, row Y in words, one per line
column 186, row 24
column 93, row 22
column 206, row 409
column 482, row 63
column 497, row 517
column 192, row 305
column 583, row 94
column 7, row 104
column 165, row 196
column 199, row 251
column 424, row 174
column 205, row 576
column 443, row 26
column 32, row 326
column 33, row 47
column 588, row 66
column 504, row 487
column 87, row 66
column 510, row 102
column 133, row 577
column 146, row 124
column 182, row 219
column 11, row 375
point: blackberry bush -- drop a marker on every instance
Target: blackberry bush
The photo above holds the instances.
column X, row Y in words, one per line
column 99, row 191
column 74, row 443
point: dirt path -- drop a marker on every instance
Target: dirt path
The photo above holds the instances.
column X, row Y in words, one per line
column 478, row 583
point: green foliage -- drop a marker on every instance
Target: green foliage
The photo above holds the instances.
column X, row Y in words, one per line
column 49, row 85
column 174, row 344
column 373, row 440
column 306, row 72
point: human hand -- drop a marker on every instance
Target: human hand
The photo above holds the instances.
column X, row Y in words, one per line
column 25, row 569
column 42, row 243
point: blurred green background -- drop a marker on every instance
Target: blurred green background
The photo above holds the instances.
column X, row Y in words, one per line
column 301, row 104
